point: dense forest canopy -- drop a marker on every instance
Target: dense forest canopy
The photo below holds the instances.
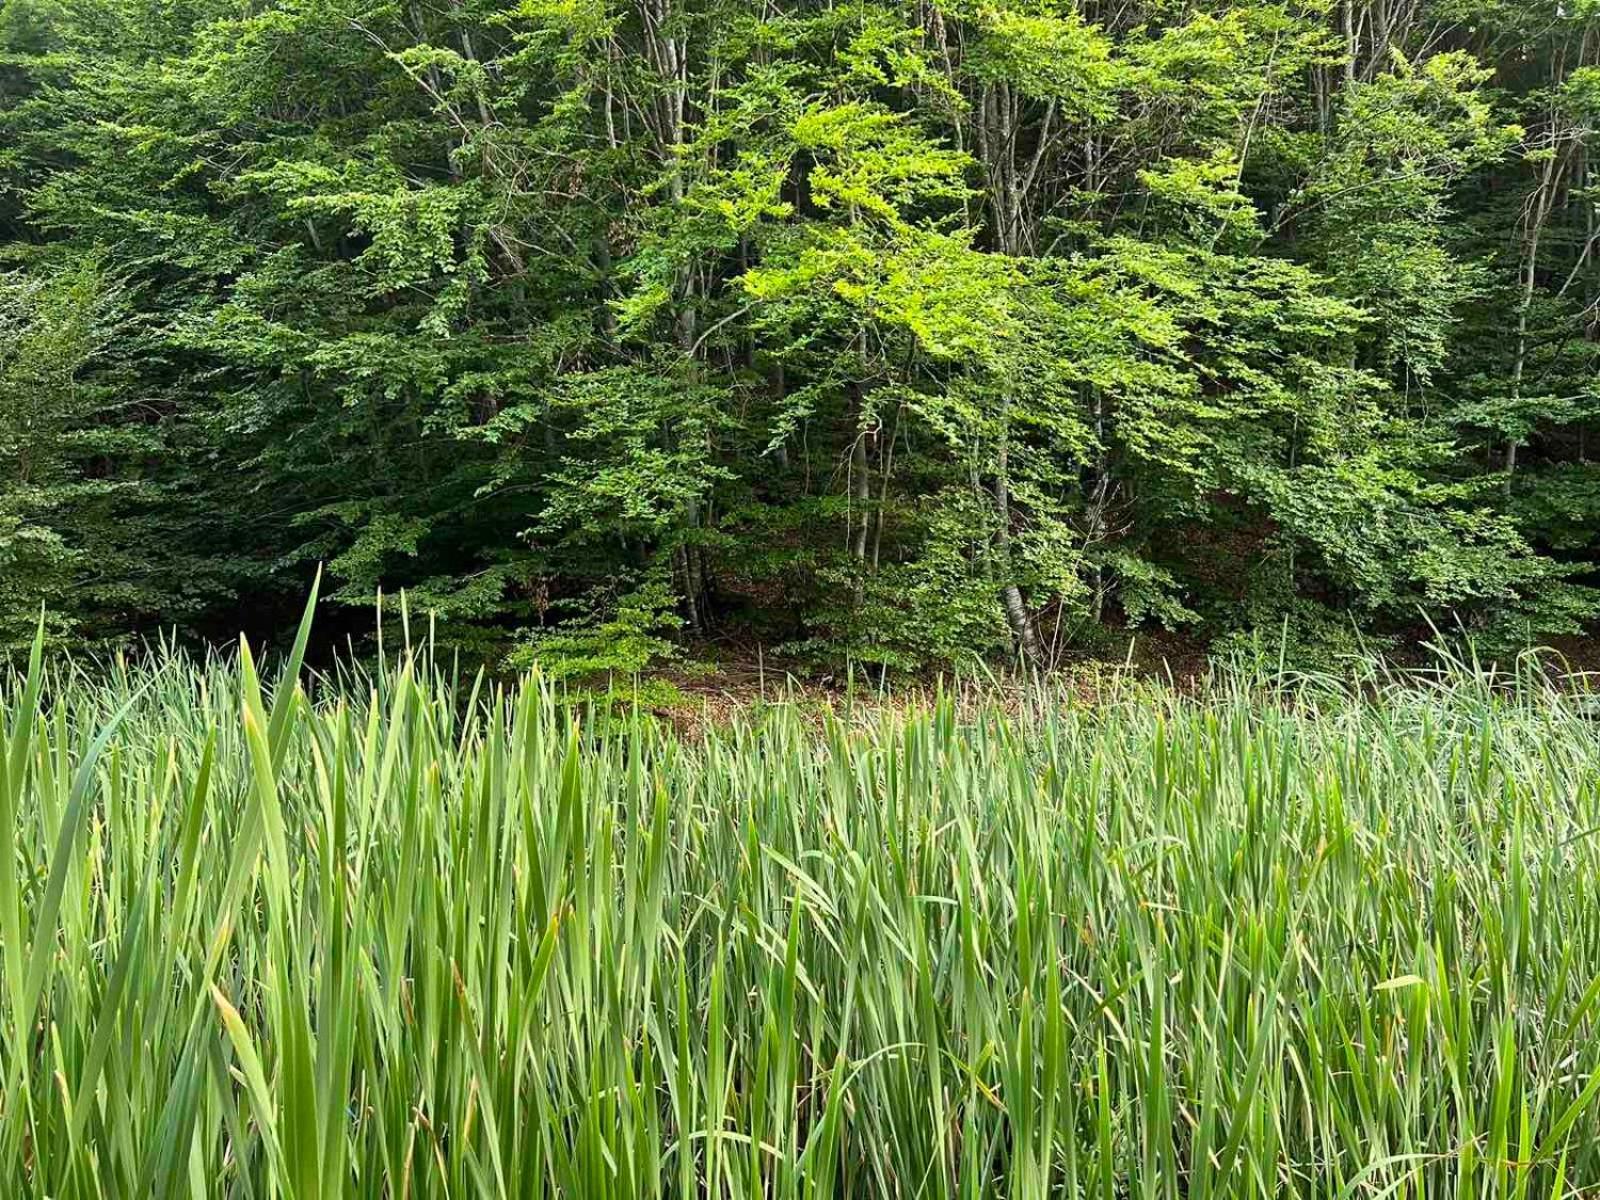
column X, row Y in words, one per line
column 886, row 331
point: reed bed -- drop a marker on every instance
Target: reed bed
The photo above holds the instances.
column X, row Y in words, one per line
column 402, row 936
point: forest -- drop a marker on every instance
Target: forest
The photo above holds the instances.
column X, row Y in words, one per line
column 889, row 332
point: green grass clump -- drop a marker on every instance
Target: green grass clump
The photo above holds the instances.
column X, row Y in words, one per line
column 395, row 939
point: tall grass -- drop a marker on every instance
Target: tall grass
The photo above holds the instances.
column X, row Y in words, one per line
column 398, row 937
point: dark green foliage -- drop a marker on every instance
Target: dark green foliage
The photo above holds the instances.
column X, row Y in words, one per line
column 895, row 333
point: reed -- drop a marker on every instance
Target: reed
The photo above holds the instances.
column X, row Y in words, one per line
column 399, row 936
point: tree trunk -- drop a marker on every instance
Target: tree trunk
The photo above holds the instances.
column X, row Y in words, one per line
column 1539, row 208
column 1023, row 630
column 860, row 491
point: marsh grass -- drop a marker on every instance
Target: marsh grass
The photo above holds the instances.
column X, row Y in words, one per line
column 401, row 936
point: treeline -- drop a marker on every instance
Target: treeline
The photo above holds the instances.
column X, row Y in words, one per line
column 889, row 331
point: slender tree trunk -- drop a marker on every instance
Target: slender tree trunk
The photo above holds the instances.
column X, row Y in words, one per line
column 1351, row 42
column 861, row 494
column 691, row 589
column 997, row 116
column 1539, row 208
column 780, row 390
column 859, row 490
column 885, row 472
column 1099, row 492
column 694, row 559
column 470, row 54
column 1023, row 629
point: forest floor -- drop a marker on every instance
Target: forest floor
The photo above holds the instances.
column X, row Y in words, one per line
column 719, row 682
